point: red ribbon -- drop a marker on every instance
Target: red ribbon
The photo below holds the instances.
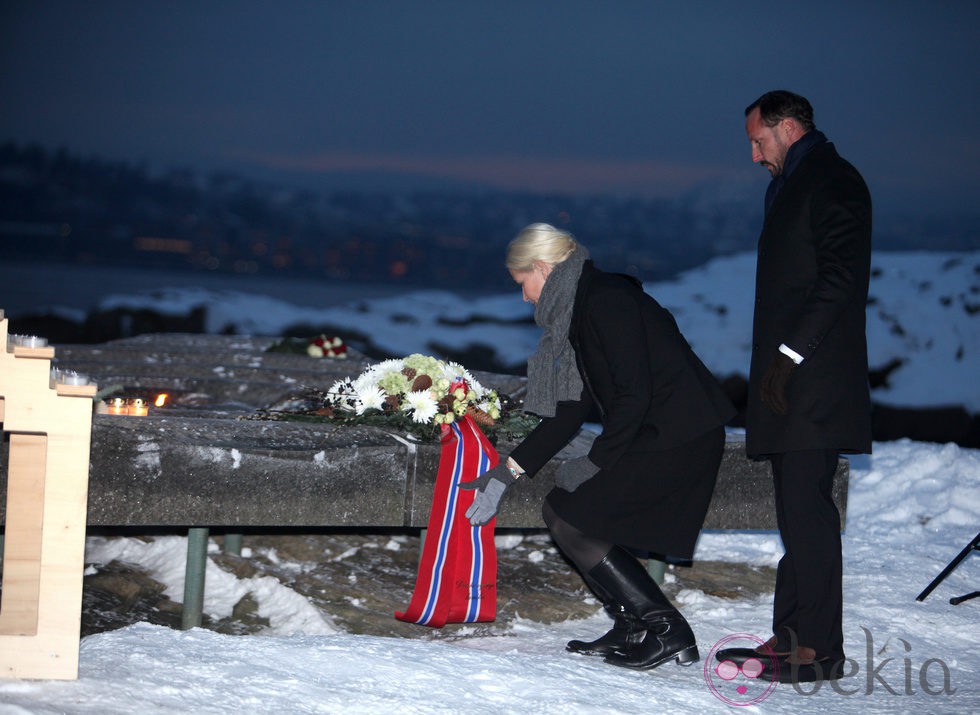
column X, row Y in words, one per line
column 457, row 576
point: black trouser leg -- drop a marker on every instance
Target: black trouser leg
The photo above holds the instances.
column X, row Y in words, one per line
column 784, row 605
column 809, row 596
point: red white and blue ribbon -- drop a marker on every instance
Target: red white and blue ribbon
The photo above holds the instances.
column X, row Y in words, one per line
column 457, row 576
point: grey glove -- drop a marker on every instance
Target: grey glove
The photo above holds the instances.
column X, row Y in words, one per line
column 491, row 485
column 574, row 473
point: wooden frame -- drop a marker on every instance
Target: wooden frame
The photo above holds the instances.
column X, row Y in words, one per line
column 50, row 432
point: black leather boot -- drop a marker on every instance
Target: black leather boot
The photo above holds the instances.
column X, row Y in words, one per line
column 625, row 633
column 667, row 637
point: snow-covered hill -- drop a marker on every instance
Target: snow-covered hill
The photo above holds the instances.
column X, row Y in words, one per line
column 923, row 312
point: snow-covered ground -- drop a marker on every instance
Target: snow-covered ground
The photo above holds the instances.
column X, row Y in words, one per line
column 912, row 508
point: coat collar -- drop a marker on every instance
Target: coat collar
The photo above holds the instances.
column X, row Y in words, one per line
column 797, row 152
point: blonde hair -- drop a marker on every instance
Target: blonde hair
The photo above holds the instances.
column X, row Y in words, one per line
column 539, row 242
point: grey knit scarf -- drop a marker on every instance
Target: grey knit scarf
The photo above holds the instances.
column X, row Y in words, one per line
column 552, row 375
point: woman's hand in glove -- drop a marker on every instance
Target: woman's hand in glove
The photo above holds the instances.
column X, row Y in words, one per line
column 491, row 485
column 575, row 472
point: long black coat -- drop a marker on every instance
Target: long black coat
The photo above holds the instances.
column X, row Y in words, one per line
column 812, row 275
column 655, row 398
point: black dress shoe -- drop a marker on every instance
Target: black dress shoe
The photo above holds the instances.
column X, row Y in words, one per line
column 768, row 650
column 803, row 670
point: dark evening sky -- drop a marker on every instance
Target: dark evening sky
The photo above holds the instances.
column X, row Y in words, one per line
column 588, row 97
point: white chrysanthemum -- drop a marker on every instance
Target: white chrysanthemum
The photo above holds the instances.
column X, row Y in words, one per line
column 453, row 370
column 457, row 371
column 341, row 387
column 363, row 382
column 369, row 398
column 390, row 365
column 341, row 394
column 490, row 403
column 375, row 372
column 474, row 383
column 367, row 380
column 422, row 405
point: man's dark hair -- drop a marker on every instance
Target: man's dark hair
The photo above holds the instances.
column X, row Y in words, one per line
column 780, row 104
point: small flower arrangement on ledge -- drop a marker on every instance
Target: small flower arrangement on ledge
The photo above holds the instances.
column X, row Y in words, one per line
column 322, row 346
column 427, row 390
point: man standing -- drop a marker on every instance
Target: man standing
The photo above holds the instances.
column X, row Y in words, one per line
column 809, row 398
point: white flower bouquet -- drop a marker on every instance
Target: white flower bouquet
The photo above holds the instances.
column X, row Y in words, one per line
column 428, row 390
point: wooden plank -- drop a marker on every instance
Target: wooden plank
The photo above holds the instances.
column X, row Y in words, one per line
column 22, row 539
column 46, row 502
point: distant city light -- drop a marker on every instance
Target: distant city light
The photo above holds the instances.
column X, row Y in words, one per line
column 162, row 245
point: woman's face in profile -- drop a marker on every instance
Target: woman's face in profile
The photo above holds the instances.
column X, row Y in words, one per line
column 532, row 281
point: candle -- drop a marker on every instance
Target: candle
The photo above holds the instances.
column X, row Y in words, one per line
column 139, row 408
column 117, row 406
column 70, row 377
column 28, row 341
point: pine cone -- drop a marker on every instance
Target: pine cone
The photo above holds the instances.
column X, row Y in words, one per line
column 446, row 404
column 422, row 382
column 390, row 404
column 409, row 372
column 479, row 416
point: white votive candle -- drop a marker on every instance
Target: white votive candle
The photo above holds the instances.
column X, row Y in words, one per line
column 70, row 377
column 30, row 341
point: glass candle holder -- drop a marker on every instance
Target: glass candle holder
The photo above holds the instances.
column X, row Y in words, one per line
column 27, row 341
column 70, row 377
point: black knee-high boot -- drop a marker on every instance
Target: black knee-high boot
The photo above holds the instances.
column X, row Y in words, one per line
column 626, row 632
column 667, row 635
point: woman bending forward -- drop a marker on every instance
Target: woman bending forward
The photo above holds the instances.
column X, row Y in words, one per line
column 649, row 475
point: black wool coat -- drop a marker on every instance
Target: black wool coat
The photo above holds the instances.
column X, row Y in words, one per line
column 650, row 389
column 662, row 414
column 814, row 262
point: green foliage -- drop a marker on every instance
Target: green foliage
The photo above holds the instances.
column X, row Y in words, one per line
column 292, row 346
column 512, row 426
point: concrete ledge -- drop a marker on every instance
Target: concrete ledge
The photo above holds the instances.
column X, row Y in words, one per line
column 204, row 466
column 206, row 471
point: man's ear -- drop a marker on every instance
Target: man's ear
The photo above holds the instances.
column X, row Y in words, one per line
column 791, row 129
